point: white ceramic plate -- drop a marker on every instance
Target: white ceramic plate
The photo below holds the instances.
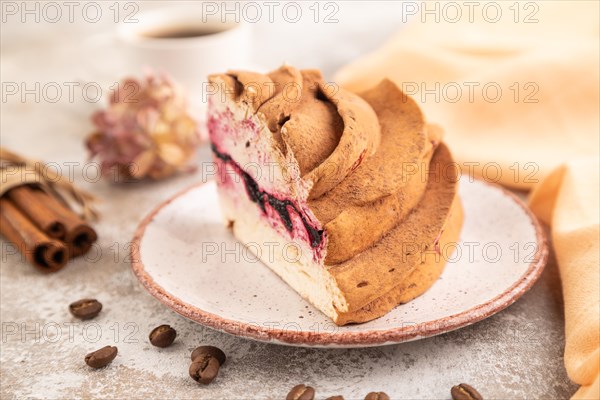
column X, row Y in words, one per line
column 186, row 258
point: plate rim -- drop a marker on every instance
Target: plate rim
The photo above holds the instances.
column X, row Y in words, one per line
column 375, row 337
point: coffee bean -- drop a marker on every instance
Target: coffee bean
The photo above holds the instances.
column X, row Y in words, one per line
column 335, row 398
column 85, row 308
column 465, row 392
column 301, row 392
column 162, row 336
column 101, row 358
column 210, row 350
column 204, row 369
column 377, row 396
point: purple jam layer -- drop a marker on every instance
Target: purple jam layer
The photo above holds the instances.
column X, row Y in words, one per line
column 283, row 208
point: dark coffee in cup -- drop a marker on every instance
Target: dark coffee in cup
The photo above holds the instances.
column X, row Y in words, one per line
column 181, row 32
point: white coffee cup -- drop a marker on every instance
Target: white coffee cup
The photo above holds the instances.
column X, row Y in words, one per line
column 187, row 45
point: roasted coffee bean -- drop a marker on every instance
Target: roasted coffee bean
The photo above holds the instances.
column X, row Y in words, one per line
column 377, row 396
column 162, row 336
column 204, row 369
column 301, row 392
column 210, row 350
column 85, row 308
column 465, row 392
column 335, row 398
column 101, row 358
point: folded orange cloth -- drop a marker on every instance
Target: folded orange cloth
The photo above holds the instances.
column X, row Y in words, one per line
column 568, row 200
column 516, row 99
column 540, row 133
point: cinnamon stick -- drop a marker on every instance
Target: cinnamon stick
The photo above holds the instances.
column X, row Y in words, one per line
column 46, row 254
column 79, row 236
column 37, row 211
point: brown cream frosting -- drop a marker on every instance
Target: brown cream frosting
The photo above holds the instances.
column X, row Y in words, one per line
column 365, row 157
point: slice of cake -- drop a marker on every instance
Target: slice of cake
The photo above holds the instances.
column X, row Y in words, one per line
column 350, row 198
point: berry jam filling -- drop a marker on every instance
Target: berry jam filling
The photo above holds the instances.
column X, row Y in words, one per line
column 260, row 197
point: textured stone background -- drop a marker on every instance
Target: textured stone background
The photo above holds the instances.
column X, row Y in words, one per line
column 514, row 354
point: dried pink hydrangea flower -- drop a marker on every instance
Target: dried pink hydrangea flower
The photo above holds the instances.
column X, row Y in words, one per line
column 146, row 131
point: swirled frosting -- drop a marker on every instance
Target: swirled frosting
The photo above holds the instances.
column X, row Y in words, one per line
column 361, row 160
